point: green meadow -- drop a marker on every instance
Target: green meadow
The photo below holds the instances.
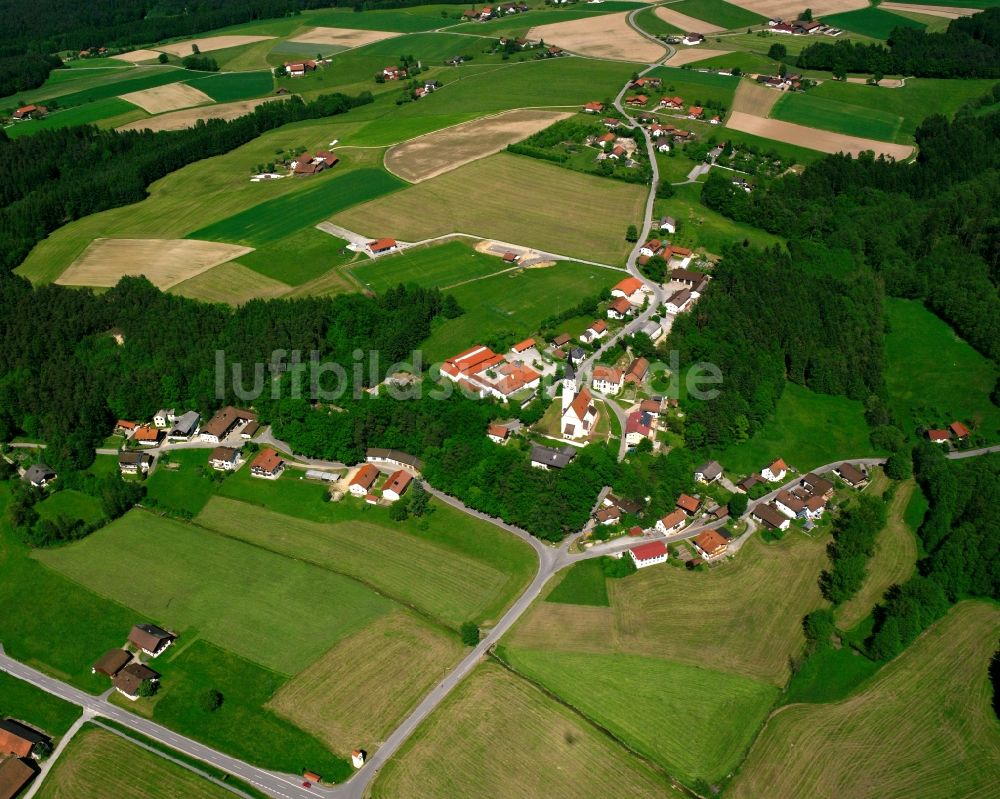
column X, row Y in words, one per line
column 179, row 484
column 718, row 12
column 87, row 114
column 583, row 583
column 72, row 505
column 433, row 267
column 871, row 21
column 697, row 88
column 818, row 112
column 22, row 700
column 299, row 257
column 230, row 86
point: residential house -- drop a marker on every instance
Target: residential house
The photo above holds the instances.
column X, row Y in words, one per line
column 638, row 426
column 959, row 430
column 578, row 415
column 652, row 407
column 382, row 246
column 577, row 355
column 38, row 475
column 708, row 472
column 607, row 379
column 637, row 371
column 711, row 544
column 624, row 505
column 396, row 485
column 693, row 39
column 130, row 680
column 747, row 483
column 648, row 554
column 669, row 224
column 688, row 504
column 608, row 516
column 112, row 662
column 817, row 485
column 364, row 478
column 637, row 100
column 851, row 475
column 147, row 436
column 673, row 522
column 134, row 462
column 611, row 123
column 593, row 107
column 30, row 112
column 605, row 140
column 938, row 436
column 790, row 505
column 678, row 301
column 150, row 639
column 770, row 517
column 185, row 426
column 224, row 459
column 696, row 112
column 393, row 73
column 679, row 256
column 297, row 69
column 672, row 103
column 619, row 308
column 815, row 506
column 641, row 83
column 15, row 774
column 164, row 418
column 630, row 288
column 268, row 465
column 19, row 739
column 775, row 472
column 125, row 426
column 498, row 433
column 250, row 429
column 562, row 340
column 651, row 248
column 225, row 422
column 548, row 458
column 596, row 331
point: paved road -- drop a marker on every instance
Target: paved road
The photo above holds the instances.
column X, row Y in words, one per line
column 617, row 410
column 971, row 453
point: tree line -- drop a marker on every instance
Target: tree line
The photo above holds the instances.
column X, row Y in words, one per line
column 969, row 48
column 56, row 176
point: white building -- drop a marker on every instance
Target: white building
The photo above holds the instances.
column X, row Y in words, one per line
column 649, row 554
column 673, row 522
column 776, row 472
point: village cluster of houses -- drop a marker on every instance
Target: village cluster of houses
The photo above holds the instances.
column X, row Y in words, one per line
column 20, row 747
column 124, row 666
column 362, row 484
column 512, row 377
column 801, row 27
column 953, row 433
column 299, row 69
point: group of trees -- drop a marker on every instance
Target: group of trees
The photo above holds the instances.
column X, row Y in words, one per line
column 854, row 534
column 961, row 538
column 970, row 48
column 56, row 176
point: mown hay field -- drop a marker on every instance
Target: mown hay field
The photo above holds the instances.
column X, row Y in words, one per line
column 556, row 210
column 342, row 37
column 449, row 586
column 166, row 98
column 427, row 156
column 819, row 112
column 696, row 722
column 499, row 736
column 605, row 36
column 923, row 726
column 360, row 690
column 209, row 43
column 240, row 597
column 823, row 140
column 230, row 283
column 98, row 764
column 439, row 266
column 186, row 118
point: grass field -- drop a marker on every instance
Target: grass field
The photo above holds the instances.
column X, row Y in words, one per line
column 299, row 257
column 818, row 112
column 651, row 23
column 718, row 12
column 181, row 485
column 273, row 219
column 447, row 585
column 92, row 768
column 87, row 114
column 71, row 504
column 230, row 283
column 433, row 267
column 232, row 86
column 583, row 584
column 959, row 385
column 237, row 596
column 697, row 88
column 150, row 79
column 924, row 723
column 892, row 564
column 870, row 21
column 360, row 690
column 695, row 722
column 555, row 209
column 789, row 434
column 38, row 708
column 747, row 62
column 515, row 303
column 501, row 737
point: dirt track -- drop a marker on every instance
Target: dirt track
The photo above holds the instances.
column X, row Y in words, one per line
column 813, row 138
column 167, row 98
column 343, row 37
column 178, row 120
column 431, row 155
column 605, row 36
column 210, row 43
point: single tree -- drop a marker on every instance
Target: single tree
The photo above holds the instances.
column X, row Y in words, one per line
column 632, row 234
column 162, row 58
column 807, row 15
column 195, row 49
column 212, row 700
column 777, row 52
column 737, row 505
column 469, row 632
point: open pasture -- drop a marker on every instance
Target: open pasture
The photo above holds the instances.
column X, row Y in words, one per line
column 556, row 211
column 832, row 115
column 813, row 138
column 924, row 723
column 237, row 596
column 188, row 117
column 207, row 44
column 604, row 36
column 440, row 266
column 164, row 262
column 178, row 485
column 718, row 12
column 449, row 586
column 871, row 21
column 344, row 38
column 166, row 98
column 696, row 722
column 360, row 690
column 230, row 283
column 94, row 767
column 436, row 153
column 499, row 736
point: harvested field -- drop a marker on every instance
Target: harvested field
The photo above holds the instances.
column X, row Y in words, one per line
column 342, row 37
column 790, row 9
column 92, row 767
column 439, row 152
column 398, row 656
column 210, row 43
column 690, row 55
column 136, row 56
column 231, row 283
column 754, row 99
column 923, row 726
column 549, row 625
column 164, row 262
column 813, row 138
column 501, row 737
column 167, row 98
column 186, row 118
column 948, row 12
column 686, row 23
column 562, row 217
column 600, row 36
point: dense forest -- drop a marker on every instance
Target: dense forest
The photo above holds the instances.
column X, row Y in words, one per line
column 970, row 48
column 50, row 177
column 961, row 538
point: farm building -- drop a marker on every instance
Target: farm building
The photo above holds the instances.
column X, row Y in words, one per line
column 15, row 774
column 130, row 680
column 224, row 459
column 396, row 485
column 150, row 639
column 630, row 288
column 484, row 373
column 225, row 422
column 268, row 465
column 297, row 69
column 111, row 662
column 959, row 430
column 608, row 516
column 29, row 112
column 648, row 554
column 19, row 740
column 938, row 436
column 363, row 480
column 382, row 246
column 637, row 371
column 125, row 426
column 394, row 457
column 185, row 426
